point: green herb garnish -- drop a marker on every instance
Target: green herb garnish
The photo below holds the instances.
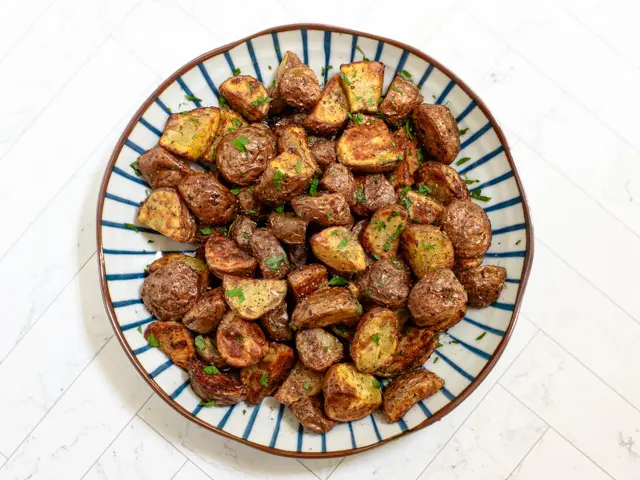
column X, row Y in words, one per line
column 206, row 230
column 211, row 403
column 360, row 196
column 191, row 98
column 313, row 186
column 274, row 263
column 375, row 338
column 299, row 167
column 343, row 243
column 307, row 385
column 139, row 328
column 280, row 208
column 463, row 131
column 136, row 168
column 264, row 380
column 200, row 345
column 481, row 336
column 406, row 74
column 261, row 101
column 240, row 143
column 325, row 69
column 364, row 57
column 338, row 281
column 211, row 370
column 344, row 78
column 236, row 292
column 278, row 176
column 462, row 161
column 153, row 341
column 477, row 194
column 375, row 383
column 235, row 191
column 236, row 72
column 131, row 226
column 396, row 89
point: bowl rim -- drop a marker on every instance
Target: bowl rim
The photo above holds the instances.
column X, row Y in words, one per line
column 528, row 259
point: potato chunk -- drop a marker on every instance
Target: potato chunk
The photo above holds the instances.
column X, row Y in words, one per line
column 276, row 324
column 241, row 343
column 438, row 132
column 214, row 386
column 240, row 231
column 339, row 179
column 171, row 291
column 421, row 209
column 263, row 378
column 339, row 249
column 318, row 349
column 189, row 134
column 207, row 351
column 326, row 209
column 403, row 175
column 207, row 312
column 247, row 96
column 483, row 284
column 468, row 227
column 208, row 198
column 348, row 394
column 382, row 236
column 230, row 121
column 368, row 148
column 407, row 390
column 293, row 139
column 426, row 248
column 402, row 97
column 299, row 87
column 437, row 301
column 302, row 382
column 165, row 212
column 415, row 346
column 375, row 340
column 288, row 228
column 362, row 82
column 251, row 298
column 285, row 177
column 243, row 155
column 161, row 169
column 311, row 415
column 385, row 282
column 373, row 192
column 225, row 257
column 307, row 279
column 271, row 256
column 326, row 306
column 443, row 181
column 195, row 263
column 330, row 113
column 173, row 339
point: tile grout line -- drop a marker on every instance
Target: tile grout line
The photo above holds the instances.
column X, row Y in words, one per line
column 193, row 463
column 529, row 451
column 336, row 467
column 310, row 471
column 186, row 460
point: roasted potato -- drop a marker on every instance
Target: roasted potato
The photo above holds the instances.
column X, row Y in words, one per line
column 207, row 312
column 171, row 291
column 248, row 205
column 402, row 97
column 307, row 279
column 382, row 236
column 225, row 257
column 373, row 192
column 247, row 96
column 443, row 181
column 299, row 87
column 293, row 139
column 270, row 255
column 375, row 340
column 368, row 147
column 385, row 282
column 348, row 394
column 408, row 389
column 483, row 284
column 244, row 154
column 302, row 382
column 276, row 324
column 263, row 378
column 462, row 264
column 161, row 169
column 297, row 255
column 208, row 199
column 311, row 415
column 426, row 248
column 288, row 228
column 326, row 306
column 362, row 82
column 230, row 121
column 403, row 175
column 189, row 134
column 251, row 298
column 339, row 179
column 287, row 176
column 438, row 132
column 421, row 209
column 241, row 343
column 438, row 300
column 339, row 249
column 214, row 386
column 415, row 346
column 241, row 230
column 318, row 349
column 208, row 352
column 195, row 263
column 173, row 339
column 326, row 209
column 324, row 154
column 289, row 60
column 343, row 333
column 468, row 227
column 165, row 212
column 330, row 112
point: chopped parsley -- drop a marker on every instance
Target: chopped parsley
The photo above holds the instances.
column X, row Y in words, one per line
column 420, row 157
column 396, row 89
column 325, row 69
column 222, row 102
column 470, row 182
column 358, row 312
column 462, row 161
column 386, row 246
column 260, row 101
column 236, row 72
column 435, row 359
column 378, row 225
column 358, row 118
column 264, row 380
column 518, row 242
column 364, row 57
column 139, row 328
column 238, row 339
column 428, row 246
column 293, row 326
column 344, row 78
column 396, row 262
column 206, row 230
column 240, row 143
column 477, row 194
column 136, row 168
column 376, row 256
column 405, row 74
column 251, row 86
column 211, row 370
column 343, row 243
column 481, row 336
column 153, row 341
column 211, row 403
column 313, row 186
column 278, row 176
column 200, row 345
column 299, row 167
column 246, row 234
column 375, row 383
column 338, row 281
column 131, row 226
column 424, row 190
column 360, row 196
column 235, row 191
column 191, row 98
column 375, row 338
column 280, row 208
column 236, row 292
column 463, row 131
column 407, row 128
column 367, row 291
column 307, row 385
column 275, row 262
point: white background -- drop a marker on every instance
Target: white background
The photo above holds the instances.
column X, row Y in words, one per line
column 562, row 78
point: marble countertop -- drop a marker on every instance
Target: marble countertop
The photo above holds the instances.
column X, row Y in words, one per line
column 562, row 78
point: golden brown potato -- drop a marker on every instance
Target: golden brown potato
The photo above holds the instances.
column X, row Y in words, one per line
column 421, row 208
column 318, row 349
column 426, row 248
column 247, row 96
column 468, row 227
column 339, row 249
column 263, row 378
column 230, row 121
column 438, row 132
column 251, row 298
column 171, row 291
column 483, row 284
column 443, row 181
column 195, row 263
column 243, row 155
column 326, row 306
column 225, row 257
column 208, row 199
column 362, row 82
column 330, row 113
column 385, row 282
column 302, row 382
column 240, row 231
column 324, row 154
column 438, row 300
column 249, row 206
column 208, row 352
column 402, row 97
column 408, row 389
column 382, row 236
column 368, row 147
column 276, row 324
column 403, row 175
column 373, row 192
column 270, row 255
column 189, row 134
column 211, row 385
column 165, row 212
column 307, row 279
column 462, row 264
column 173, row 339
column 293, row 139
column 311, row 415
column 339, row 179
column 161, row 169
column 207, row 312
column 375, row 340
column 299, row 87
column 288, row 228
column 286, row 177
column 289, row 60
column 241, row 343
column 326, row 209
column 415, row 346
column 348, row 394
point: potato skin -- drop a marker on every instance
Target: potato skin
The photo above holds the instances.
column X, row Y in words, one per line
column 175, row 341
column 287, row 176
column 339, row 179
column 408, row 389
column 207, row 312
column 161, row 169
column 318, row 349
column 270, row 255
column 483, row 284
column 326, row 306
column 247, row 96
column 297, row 255
column 276, row 364
column 208, row 199
column 438, row 300
column 338, row 248
column 245, row 165
column 230, row 121
column 256, row 296
column 299, row 87
column 276, row 324
column 468, row 227
column 196, row 264
column 293, row 388
column 248, row 205
column 288, row 228
column 330, row 112
column 307, row 279
column 381, row 237
column 402, row 97
column 444, row 182
column 386, row 283
column 375, row 340
column 362, row 83
column 210, row 353
column 422, row 209
column 221, row 388
column 368, row 147
column 438, row 132
column 373, row 192
column 165, row 212
column 240, row 342
column 325, row 154
column 415, row 346
column 189, row 134
column 225, row 257
column 311, row 415
column 348, row 394
column 326, row 209
column 241, row 230
column 425, row 248
column 462, row 264
column 171, row 291
column 403, row 175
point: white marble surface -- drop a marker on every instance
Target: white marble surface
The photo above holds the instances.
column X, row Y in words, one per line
column 561, row 76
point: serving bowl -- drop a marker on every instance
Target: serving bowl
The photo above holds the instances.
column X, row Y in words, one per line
column 467, row 352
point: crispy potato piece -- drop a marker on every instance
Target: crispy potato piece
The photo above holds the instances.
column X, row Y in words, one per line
column 415, row 346
column 165, row 212
column 326, row 209
column 402, row 97
column 318, row 349
column 225, row 257
column 195, row 263
column 171, row 291
column 173, row 339
column 403, row 175
column 382, row 236
column 426, row 248
column 289, row 60
column 161, row 169
column 207, row 312
column 293, row 139
column 243, row 155
column 373, row 192
column 462, row 264
column 302, row 382
column 208, row 352
column 247, row 96
column 189, row 134
column 339, row 249
column 326, row 306
column 443, row 181
column 271, row 256
column 408, row 389
column 241, row 343
column 263, row 378
column 368, row 147
column 421, row 209
column 362, row 82
column 208, row 199
column 483, row 284
column 348, row 394
column 438, row 300
column 468, row 227
column 339, row 179
column 289, row 229
column 324, row 154
column 251, row 298
column 307, row 279
column 240, row 231
column 438, row 132
column 217, row 387
column 297, row 255
column 276, row 324
column 230, row 121
column 286, row 177
column 299, row 87
column 375, row 340
column 311, row 415
column 385, row 282
column 330, row 112
column 248, row 205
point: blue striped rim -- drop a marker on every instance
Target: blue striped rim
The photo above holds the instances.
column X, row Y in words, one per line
column 482, row 161
column 254, row 60
column 475, row 136
column 128, row 176
column 503, row 306
column 448, row 394
column 375, row 427
column 196, row 410
column 276, row 46
column 107, row 223
column 111, row 251
column 161, row 104
column 425, row 76
column 324, row 443
column 227, row 56
column 150, row 127
column 179, row 390
column 453, row 365
column 353, row 437
column 327, row 53
column 510, row 228
column 505, row 204
column 252, row 419
column 471, row 348
column 401, row 62
column 276, row 431
column 424, row 409
column 379, row 50
column 300, row 435
column 403, row 425
column 354, row 43
column 445, row 92
column 207, row 79
column 142, row 349
column 512, row 280
column 305, row 45
column 116, row 198
column 466, row 111
column 495, row 331
column 124, row 276
column 126, row 303
column 160, row 369
column 505, row 254
column 188, row 91
column 225, row 418
column 494, row 181
column 137, row 324
column 134, row 147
